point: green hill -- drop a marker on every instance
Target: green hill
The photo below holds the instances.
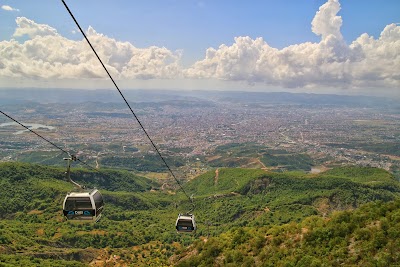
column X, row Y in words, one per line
column 361, row 174
column 368, row 236
column 222, row 181
column 240, row 209
column 26, row 187
column 248, row 197
column 246, row 154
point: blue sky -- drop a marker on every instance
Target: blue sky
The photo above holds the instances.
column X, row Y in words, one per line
column 189, row 28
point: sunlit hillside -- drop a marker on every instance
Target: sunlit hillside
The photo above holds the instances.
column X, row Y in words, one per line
column 242, row 216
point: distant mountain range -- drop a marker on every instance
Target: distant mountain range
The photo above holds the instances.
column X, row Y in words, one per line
column 14, row 96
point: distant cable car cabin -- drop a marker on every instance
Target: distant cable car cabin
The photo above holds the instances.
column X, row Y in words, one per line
column 85, row 206
column 185, row 223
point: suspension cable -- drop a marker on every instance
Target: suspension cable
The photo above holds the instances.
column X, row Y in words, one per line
column 68, row 172
column 126, row 102
column 48, row 141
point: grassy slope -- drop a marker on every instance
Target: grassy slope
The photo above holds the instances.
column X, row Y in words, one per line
column 31, row 197
column 360, row 174
column 368, row 236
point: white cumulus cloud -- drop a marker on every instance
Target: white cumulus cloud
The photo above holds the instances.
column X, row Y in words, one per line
column 8, row 8
column 326, row 22
column 48, row 55
column 32, row 29
column 331, row 62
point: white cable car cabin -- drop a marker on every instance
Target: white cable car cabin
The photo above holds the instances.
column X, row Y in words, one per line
column 84, row 206
column 185, row 223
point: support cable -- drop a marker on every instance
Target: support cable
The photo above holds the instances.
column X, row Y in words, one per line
column 51, row 143
column 48, row 141
column 126, row 102
column 68, row 172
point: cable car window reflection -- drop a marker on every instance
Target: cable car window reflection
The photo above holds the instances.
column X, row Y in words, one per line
column 78, row 203
column 84, row 204
column 184, row 224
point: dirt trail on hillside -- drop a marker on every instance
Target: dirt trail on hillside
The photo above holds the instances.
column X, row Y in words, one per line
column 263, row 165
column 216, row 176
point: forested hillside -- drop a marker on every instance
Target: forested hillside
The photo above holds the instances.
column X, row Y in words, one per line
column 368, row 236
column 252, row 217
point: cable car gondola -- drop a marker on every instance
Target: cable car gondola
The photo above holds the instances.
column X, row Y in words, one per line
column 86, row 206
column 82, row 205
column 185, row 223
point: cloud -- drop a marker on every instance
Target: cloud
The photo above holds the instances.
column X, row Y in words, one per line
column 330, row 63
column 8, row 8
column 326, row 22
column 48, row 55
column 380, row 63
column 32, row 29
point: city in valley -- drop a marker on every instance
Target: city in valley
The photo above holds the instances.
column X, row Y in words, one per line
column 196, row 131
